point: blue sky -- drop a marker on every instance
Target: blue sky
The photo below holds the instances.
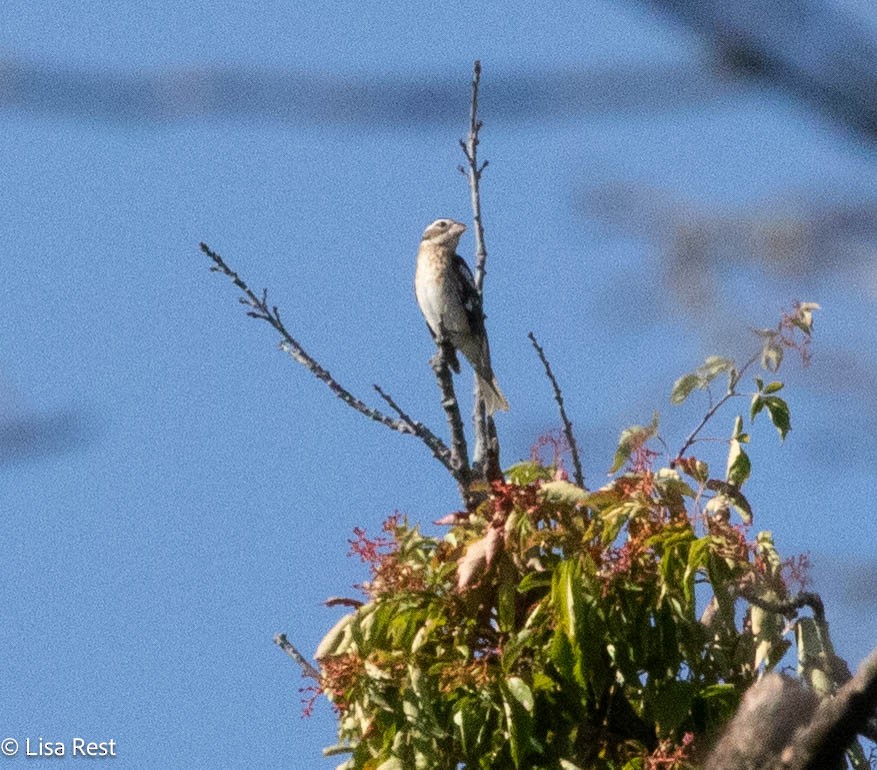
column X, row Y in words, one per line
column 207, row 495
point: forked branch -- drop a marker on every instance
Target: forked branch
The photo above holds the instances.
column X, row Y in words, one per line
column 259, row 308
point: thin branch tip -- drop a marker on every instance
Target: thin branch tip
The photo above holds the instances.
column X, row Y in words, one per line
column 578, row 473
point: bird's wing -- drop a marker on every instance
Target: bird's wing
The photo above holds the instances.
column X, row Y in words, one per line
column 470, row 299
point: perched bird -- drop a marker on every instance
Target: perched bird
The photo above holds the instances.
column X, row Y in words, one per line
column 451, row 305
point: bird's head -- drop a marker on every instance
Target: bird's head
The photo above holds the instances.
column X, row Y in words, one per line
column 444, row 232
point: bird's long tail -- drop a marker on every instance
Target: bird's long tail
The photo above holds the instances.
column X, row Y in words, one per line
column 494, row 400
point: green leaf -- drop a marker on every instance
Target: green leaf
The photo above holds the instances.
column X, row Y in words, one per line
column 671, row 705
column 703, row 376
column 771, row 387
column 371, row 622
column 338, row 640
column 561, row 655
column 517, row 701
column 857, row 757
column 534, row 580
column 716, row 365
column 767, row 630
column 527, row 472
column 563, row 493
column 671, row 483
column 719, row 701
column 632, row 438
column 739, row 465
column 471, row 722
column 506, row 599
column 818, row 665
column 616, row 516
column 684, row 386
column 521, row 692
column 779, row 414
column 581, row 626
column 698, row 553
column 756, row 406
column 776, row 407
column 566, row 597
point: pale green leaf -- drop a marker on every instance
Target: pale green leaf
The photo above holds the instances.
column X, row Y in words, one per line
column 563, row 493
column 702, row 377
column 521, row 692
column 632, row 438
column 684, row 386
column 756, row 406
column 338, row 639
column 803, row 317
column 714, row 366
column 527, row 472
column 519, row 720
column 739, row 465
column 768, row 552
column 772, row 354
column 766, row 627
column 565, row 597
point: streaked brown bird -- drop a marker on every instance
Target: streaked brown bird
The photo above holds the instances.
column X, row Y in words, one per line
column 451, row 305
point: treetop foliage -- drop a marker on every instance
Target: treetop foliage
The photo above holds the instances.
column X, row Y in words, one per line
column 560, row 627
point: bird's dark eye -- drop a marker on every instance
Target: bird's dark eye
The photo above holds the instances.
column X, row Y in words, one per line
column 442, row 224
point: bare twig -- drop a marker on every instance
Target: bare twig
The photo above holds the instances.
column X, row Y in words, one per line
column 567, row 425
column 485, row 459
column 289, row 648
column 259, row 308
